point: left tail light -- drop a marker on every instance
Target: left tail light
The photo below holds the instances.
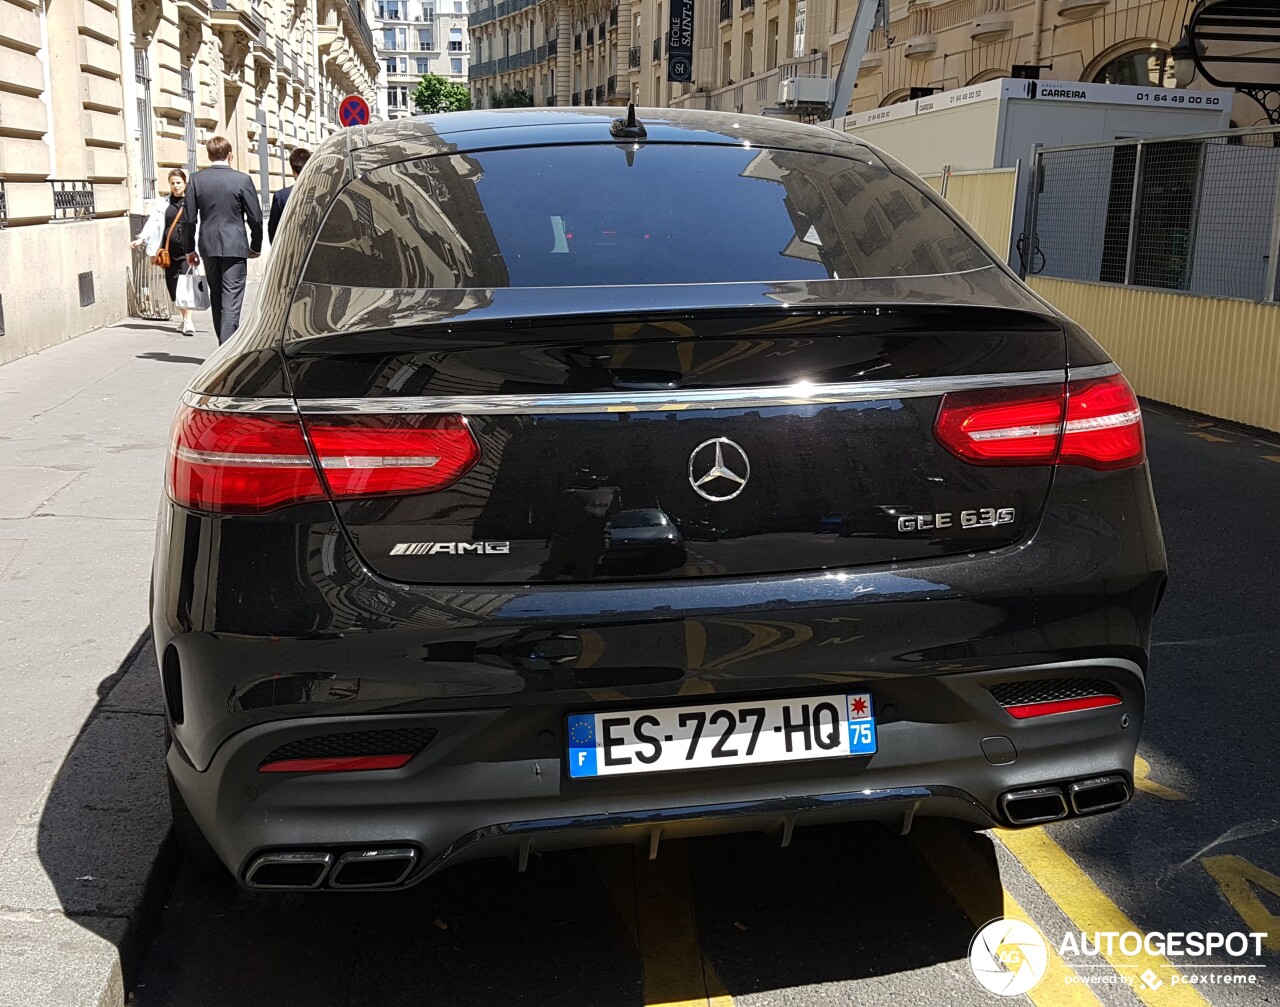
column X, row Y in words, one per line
column 232, row 463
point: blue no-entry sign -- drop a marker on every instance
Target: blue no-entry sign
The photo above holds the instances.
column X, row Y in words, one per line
column 354, row 111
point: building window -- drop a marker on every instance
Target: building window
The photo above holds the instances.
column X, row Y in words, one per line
column 424, row 66
column 402, row 39
column 455, row 65
column 457, row 6
column 797, row 46
column 455, row 40
column 771, row 44
column 424, row 40
column 1145, row 68
column 428, row 14
column 388, row 38
column 394, row 10
column 748, row 43
column 404, row 64
column 391, row 64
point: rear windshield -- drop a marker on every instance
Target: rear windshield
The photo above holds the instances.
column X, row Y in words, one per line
column 603, row 215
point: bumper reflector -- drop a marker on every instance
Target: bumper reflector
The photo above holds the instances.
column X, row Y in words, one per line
column 335, row 764
column 1028, row 710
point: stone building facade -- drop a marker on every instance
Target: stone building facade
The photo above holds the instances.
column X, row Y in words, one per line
column 98, row 100
column 415, row 37
column 582, row 52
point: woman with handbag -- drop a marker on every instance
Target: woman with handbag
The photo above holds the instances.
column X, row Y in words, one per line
column 163, row 240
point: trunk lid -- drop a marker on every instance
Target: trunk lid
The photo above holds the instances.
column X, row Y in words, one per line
column 710, row 442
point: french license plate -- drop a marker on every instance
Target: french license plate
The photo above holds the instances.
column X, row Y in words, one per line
column 727, row 734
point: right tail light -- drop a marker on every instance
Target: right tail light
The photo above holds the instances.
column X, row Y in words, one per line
column 1096, row 423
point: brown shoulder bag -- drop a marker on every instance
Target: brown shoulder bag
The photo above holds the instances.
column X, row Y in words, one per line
column 161, row 258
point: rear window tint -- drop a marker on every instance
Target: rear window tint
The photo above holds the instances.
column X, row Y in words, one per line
column 603, row 215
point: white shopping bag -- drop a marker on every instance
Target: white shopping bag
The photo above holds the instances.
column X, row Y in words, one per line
column 193, row 290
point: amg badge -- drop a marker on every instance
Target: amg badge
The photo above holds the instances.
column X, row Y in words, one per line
column 451, row 548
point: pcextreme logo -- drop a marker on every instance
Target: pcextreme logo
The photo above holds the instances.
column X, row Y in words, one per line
column 1008, row 957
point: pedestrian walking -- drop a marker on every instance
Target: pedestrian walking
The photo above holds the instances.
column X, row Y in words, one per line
column 297, row 159
column 222, row 201
column 164, row 241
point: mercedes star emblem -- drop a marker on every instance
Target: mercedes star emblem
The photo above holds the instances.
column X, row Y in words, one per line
column 719, row 469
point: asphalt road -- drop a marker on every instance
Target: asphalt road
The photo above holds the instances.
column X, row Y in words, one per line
column 852, row 914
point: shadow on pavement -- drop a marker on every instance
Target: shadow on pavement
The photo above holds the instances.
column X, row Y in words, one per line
column 170, row 358
column 842, row 903
column 98, row 850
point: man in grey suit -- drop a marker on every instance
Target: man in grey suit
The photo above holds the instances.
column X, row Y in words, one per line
column 223, row 200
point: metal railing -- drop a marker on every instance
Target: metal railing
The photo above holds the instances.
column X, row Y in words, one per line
column 576, row 99
column 726, row 10
column 549, row 101
column 577, row 42
column 633, row 56
column 599, row 94
column 611, row 87
column 657, row 49
column 1198, row 213
column 72, row 199
column 553, row 46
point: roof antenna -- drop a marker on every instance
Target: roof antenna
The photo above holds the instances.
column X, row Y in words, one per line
column 628, row 128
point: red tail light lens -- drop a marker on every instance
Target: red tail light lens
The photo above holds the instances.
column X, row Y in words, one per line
column 1104, row 425
column 1096, row 423
column 1002, row 426
column 231, row 463
column 375, row 455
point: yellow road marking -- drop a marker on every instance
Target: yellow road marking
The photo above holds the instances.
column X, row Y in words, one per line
column 1272, row 458
column 1085, row 904
column 655, row 900
column 592, row 647
column 1142, row 780
column 695, row 643
column 1212, row 438
column 1234, row 875
column 971, row 881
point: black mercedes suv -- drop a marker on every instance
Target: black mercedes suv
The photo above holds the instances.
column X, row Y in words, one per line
column 577, row 481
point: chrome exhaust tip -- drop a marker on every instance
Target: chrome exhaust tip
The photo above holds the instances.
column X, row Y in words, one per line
column 1100, row 793
column 1034, row 805
column 288, row 871
column 381, row 868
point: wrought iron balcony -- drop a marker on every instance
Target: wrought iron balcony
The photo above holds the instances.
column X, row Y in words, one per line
column 72, row 198
column 633, row 56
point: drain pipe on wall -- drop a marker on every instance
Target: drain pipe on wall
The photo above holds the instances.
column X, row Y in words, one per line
column 1039, row 29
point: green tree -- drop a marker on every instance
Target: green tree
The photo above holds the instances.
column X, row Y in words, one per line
column 439, row 94
column 519, row 98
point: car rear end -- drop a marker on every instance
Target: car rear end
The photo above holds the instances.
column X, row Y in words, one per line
column 567, row 490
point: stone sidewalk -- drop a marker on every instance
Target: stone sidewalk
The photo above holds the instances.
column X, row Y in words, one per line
column 84, row 428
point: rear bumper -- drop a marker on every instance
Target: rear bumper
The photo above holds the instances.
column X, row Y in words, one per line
column 493, row 782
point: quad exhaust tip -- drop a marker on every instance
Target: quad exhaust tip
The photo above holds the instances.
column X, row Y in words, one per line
column 1051, row 803
column 304, row 870
column 373, row 868
column 291, row 871
column 1101, row 793
column 1034, row 805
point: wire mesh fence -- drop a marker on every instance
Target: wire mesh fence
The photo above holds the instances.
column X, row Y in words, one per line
column 1199, row 214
